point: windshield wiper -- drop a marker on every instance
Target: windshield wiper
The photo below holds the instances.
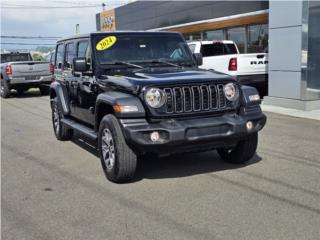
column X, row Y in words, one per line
column 186, row 64
column 160, row 60
column 123, row 63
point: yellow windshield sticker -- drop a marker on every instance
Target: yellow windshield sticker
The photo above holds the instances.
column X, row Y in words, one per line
column 106, row 43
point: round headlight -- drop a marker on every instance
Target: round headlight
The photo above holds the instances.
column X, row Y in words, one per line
column 231, row 91
column 155, row 97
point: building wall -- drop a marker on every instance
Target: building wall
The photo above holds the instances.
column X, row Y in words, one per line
column 236, row 20
column 285, row 49
column 144, row 15
column 293, row 51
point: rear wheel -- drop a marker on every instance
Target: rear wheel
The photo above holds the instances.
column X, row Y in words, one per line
column 242, row 152
column 44, row 90
column 61, row 131
column 5, row 90
column 118, row 161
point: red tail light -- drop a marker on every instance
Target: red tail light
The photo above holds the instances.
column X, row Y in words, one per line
column 233, row 66
column 9, row 70
column 51, row 67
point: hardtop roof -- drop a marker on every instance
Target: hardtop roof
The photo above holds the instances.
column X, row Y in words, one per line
column 87, row 35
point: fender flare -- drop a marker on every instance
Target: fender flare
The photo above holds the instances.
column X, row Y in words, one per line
column 113, row 98
column 62, row 96
column 246, row 92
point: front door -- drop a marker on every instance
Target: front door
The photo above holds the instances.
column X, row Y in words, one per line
column 83, row 86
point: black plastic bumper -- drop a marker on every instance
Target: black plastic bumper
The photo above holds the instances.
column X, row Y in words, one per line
column 258, row 79
column 191, row 134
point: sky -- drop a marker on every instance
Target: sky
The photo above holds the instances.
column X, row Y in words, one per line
column 48, row 18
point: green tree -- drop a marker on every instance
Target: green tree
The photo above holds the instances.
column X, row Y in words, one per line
column 37, row 57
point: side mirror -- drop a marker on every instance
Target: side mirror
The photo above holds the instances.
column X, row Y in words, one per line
column 198, row 58
column 80, row 65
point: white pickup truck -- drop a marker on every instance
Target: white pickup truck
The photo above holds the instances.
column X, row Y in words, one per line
column 223, row 56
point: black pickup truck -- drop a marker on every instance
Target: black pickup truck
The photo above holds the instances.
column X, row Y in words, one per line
column 135, row 93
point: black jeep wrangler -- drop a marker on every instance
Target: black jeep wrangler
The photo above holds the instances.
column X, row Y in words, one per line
column 135, row 93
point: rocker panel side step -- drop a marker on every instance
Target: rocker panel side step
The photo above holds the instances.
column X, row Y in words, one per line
column 82, row 129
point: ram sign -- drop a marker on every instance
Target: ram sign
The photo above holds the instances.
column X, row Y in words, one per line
column 108, row 21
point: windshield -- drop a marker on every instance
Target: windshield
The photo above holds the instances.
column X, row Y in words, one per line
column 141, row 48
column 15, row 57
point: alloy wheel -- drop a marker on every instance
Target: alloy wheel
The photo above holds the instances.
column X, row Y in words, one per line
column 108, row 151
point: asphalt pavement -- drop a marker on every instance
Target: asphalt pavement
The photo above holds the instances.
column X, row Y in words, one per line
column 57, row 190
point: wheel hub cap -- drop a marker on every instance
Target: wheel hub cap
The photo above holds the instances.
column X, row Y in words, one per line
column 56, row 119
column 108, row 152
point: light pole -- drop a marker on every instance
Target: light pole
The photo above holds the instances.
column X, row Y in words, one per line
column 77, row 28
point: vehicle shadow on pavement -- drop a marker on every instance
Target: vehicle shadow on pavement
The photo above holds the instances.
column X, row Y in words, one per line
column 184, row 165
column 27, row 94
column 175, row 166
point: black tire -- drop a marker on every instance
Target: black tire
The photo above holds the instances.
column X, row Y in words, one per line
column 125, row 160
column 242, row 152
column 44, row 90
column 61, row 131
column 5, row 89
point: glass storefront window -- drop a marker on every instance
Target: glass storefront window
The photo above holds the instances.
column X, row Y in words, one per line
column 213, row 35
column 313, row 72
column 186, row 36
column 192, row 36
column 195, row 36
column 257, row 38
column 238, row 35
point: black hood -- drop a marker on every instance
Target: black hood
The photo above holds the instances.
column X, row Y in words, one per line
column 135, row 81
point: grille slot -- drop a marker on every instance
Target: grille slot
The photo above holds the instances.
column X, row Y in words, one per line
column 195, row 98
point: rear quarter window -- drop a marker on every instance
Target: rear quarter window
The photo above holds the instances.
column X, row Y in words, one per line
column 217, row 49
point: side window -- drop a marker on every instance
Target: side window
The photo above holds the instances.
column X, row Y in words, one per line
column 82, row 48
column 59, row 57
column 70, row 55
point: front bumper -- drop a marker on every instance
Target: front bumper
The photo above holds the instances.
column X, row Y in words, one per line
column 191, row 134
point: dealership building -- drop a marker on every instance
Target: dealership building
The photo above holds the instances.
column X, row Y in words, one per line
column 288, row 30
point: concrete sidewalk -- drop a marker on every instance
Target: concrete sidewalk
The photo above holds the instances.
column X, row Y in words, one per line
column 314, row 114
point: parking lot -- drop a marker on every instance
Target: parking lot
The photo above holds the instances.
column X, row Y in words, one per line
column 57, row 190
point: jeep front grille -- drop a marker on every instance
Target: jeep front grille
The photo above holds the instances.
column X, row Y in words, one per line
column 196, row 98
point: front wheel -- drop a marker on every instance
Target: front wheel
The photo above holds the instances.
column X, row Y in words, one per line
column 118, row 161
column 242, row 152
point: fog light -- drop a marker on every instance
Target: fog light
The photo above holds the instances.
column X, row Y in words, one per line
column 154, row 136
column 249, row 125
